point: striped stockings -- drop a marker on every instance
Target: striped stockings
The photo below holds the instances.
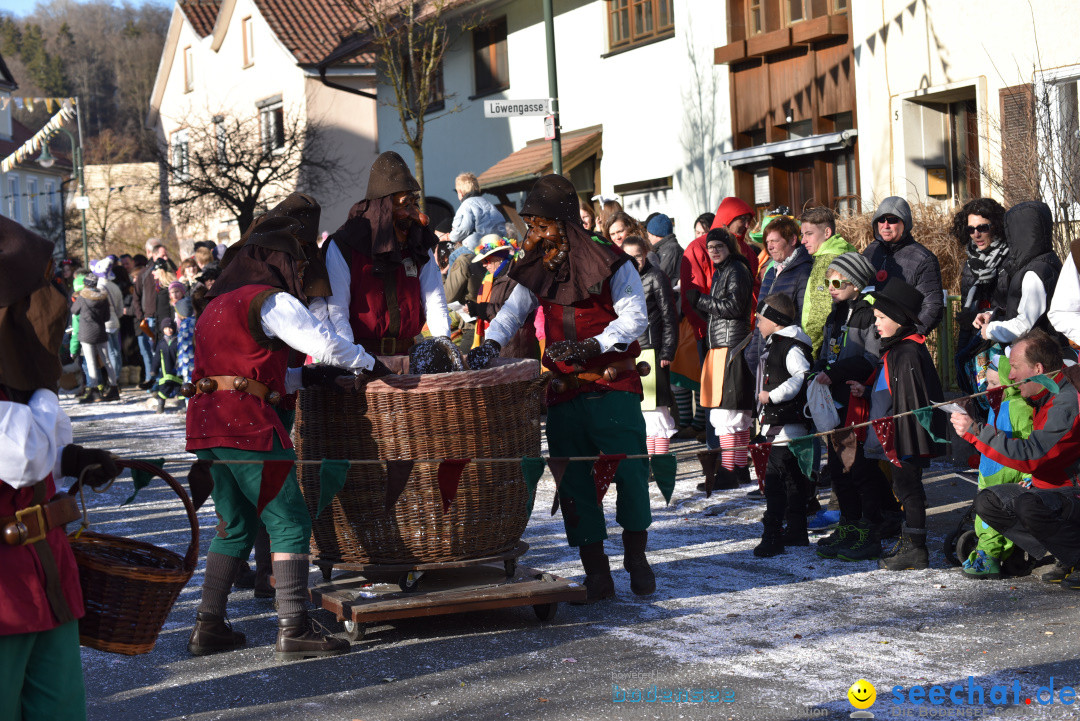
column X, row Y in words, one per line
column 657, row 445
column 739, row 439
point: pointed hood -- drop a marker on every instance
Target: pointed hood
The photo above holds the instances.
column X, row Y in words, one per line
column 270, row 256
column 390, row 174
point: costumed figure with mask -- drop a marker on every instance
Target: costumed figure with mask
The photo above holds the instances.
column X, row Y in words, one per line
column 40, row 597
column 257, row 312
column 594, row 311
column 383, row 275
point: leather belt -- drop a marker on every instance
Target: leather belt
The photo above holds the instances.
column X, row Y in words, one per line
column 209, row 384
column 562, row 383
column 387, row 346
column 31, row 524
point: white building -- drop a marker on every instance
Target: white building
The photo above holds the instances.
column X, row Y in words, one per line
column 238, row 58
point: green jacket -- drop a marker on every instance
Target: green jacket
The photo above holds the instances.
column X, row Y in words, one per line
column 817, row 302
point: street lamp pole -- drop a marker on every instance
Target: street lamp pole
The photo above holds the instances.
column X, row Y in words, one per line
column 46, row 160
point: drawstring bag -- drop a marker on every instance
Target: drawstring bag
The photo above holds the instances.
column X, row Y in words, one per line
column 822, row 408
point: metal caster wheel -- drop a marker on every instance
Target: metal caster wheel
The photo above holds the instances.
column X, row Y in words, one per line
column 410, row 582
column 546, row 611
column 354, row 631
column 510, row 566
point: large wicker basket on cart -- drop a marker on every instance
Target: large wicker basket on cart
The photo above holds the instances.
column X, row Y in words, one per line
column 491, row 413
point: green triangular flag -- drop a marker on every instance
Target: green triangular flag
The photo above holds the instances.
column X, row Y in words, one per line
column 331, row 480
column 663, row 468
column 140, row 478
column 532, row 469
column 803, row 450
column 1047, row 382
column 924, row 416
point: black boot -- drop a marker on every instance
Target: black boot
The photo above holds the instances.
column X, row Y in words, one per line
column 642, row 579
column 213, row 634
column 795, row 533
column 598, row 581
column 90, row 396
column 263, row 565
column 725, row 479
column 742, row 475
column 828, row 546
column 772, row 544
column 862, row 544
column 911, row 553
column 299, row 637
column 113, row 394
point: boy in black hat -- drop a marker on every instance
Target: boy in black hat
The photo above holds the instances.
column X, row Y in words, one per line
column 781, row 397
column 907, row 380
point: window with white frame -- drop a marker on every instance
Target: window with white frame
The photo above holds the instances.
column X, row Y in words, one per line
column 33, row 209
column 248, row 35
column 1057, row 103
column 189, row 70
column 52, row 198
column 13, row 204
column 272, row 124
column 180, row 166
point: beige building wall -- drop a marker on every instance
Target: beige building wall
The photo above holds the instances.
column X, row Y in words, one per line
column 915, row 59
column 124, row 207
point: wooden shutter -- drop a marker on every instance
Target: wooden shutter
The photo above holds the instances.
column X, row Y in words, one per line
column 1019, row 147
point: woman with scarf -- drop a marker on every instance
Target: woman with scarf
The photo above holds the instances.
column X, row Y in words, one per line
column 979, row 226
column 497, row 254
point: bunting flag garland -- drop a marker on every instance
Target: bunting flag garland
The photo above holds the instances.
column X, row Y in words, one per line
column 708, row 460
column 925, row 417
column 449, row 476
column 663, row 469
column 1047, row 382
column 397, row 475
column 604, row 473
column 558, row 470
column 886, row 430
column 332, row 475
column 844, row 442
column 994, row 397
column 200, row 482
column 803, row 450
column 34, row 144
column 140, row 478
column 759, row 454
column 274, row 473
column 531, row 469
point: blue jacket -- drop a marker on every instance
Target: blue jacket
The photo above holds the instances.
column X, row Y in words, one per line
column 475, row 218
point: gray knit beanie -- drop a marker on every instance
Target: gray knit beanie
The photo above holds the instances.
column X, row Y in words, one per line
column 855, row 267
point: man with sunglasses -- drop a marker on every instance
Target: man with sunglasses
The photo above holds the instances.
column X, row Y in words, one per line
column 896, row 252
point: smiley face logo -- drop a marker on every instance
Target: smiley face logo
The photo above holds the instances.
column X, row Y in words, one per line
column 862, row 694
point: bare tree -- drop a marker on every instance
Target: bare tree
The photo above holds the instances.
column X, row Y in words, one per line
column 242, row 165
column 409, row 39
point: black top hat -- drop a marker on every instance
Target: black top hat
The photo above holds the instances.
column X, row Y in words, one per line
column 898, row 300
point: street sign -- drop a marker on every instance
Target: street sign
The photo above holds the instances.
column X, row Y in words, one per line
column 516, row 108
column 549, row 127
column 82, row 202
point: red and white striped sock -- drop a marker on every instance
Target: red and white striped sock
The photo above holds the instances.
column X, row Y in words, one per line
column 662, row 444
column 650, row 444
column 739, row 439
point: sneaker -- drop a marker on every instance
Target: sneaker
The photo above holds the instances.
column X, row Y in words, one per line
column 756, row 495
column 823, row 520
column 827, row 546
column 90, row 396
column 985, row 566
column 1057, row 573
column 860, row 545
column 1071, row 581
column 145, row 385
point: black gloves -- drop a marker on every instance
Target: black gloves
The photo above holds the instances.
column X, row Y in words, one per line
column 480, row 357
column 73, row 459
column 379, row 370
column 692, row 295
column 573, row 352
column 478, row 310
column 321, row 375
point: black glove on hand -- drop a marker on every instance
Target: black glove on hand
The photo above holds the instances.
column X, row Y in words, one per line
column 573, row 351
column 473, row 308
column 379, row 370
column 321, row 375
column 73, row 459
column 692, row 296
column 480, row 357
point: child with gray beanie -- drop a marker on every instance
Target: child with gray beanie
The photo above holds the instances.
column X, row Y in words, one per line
column 850, row 353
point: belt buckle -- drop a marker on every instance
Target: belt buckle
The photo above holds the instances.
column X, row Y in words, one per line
column 39, row 512
column 387, row 346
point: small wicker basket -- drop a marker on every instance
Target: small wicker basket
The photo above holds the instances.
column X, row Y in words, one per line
column 491, row 413
column 130, row 586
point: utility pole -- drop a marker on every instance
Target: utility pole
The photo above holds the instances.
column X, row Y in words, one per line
column 553, row 86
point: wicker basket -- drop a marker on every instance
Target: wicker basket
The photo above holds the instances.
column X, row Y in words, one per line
column 491, row 413
column 130, row 586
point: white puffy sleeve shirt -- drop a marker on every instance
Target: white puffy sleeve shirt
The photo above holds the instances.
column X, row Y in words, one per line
column 32, row 435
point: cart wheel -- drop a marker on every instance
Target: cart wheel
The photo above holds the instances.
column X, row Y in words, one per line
column 965, row 544
column 546, row 611
column 510, row 566
column 410, row 582
column 354, row 631
column 327, row 568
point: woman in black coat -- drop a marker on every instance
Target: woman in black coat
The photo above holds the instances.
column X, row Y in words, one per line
column 658, row 344
column 727, row 385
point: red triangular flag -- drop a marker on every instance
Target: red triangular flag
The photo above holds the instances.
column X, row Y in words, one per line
column 708, row 460
column 603, row 472
column 994, row 397
column 449, row 476
column 759, row 454
column 885, row 430
column 397, row 475
column 274, row 474
column 558, row 470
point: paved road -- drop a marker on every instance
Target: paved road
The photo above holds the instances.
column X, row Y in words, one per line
column 780, row 638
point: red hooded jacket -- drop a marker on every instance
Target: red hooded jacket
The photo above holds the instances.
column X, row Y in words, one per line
column 697, row 271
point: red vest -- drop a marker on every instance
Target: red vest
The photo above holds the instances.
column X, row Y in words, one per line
column 226, row 345
column 383, row 306
column 585, row 319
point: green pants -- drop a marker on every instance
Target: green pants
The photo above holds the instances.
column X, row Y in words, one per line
column 990, row 541
column 41, row 675
column 589, row 425
column 236, row 496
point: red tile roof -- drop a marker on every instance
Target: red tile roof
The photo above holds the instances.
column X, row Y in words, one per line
column 311, row 29
column 534, row 160
column 202, row 14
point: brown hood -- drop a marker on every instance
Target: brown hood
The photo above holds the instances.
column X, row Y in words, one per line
column 390, row 174
column 370, row 231
column 270, row 256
